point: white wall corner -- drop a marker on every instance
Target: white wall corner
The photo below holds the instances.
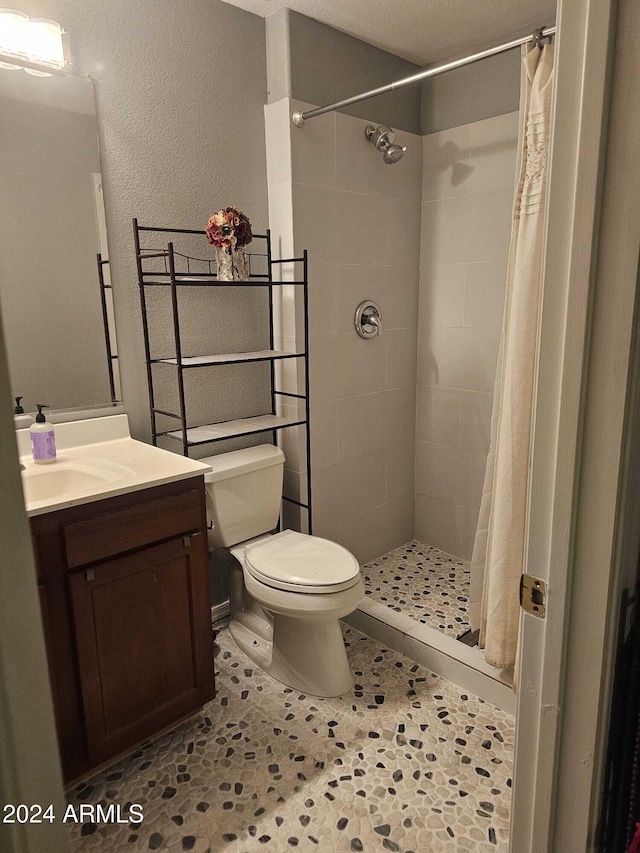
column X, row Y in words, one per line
column 277, row 127
column 278, row 56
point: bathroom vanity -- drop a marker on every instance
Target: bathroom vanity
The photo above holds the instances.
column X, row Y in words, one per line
column 122, row 568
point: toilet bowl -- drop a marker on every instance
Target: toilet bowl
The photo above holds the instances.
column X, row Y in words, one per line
column 288, row 590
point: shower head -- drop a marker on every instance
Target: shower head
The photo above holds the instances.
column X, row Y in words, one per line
column 385, row 141
column 394, row 153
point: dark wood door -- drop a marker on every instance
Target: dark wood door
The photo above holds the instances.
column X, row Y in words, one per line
column 45, row 613
column 145, row 647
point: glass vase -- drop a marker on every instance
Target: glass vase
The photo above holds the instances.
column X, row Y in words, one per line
column 233, row 264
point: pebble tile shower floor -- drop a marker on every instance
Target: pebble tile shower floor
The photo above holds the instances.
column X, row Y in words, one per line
column 423, row 583
column 406, row 762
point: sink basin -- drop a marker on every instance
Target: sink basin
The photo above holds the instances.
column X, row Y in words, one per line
column 97, row 459
column 68, row 478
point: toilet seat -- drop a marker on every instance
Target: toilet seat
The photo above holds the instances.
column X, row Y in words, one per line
column 297, row 562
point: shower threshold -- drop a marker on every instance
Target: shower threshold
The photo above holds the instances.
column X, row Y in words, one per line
column 417, row 602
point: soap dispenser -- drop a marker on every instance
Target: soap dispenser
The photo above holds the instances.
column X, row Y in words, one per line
column 17, row 409
column 43, row 440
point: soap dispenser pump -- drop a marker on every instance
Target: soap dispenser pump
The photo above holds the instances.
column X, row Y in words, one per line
column 43, row 440
column 17, row 409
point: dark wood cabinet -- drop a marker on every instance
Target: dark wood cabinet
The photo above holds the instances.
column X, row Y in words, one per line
column 124, row 591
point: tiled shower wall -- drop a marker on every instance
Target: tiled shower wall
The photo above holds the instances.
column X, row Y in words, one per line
column 467, row 195
column 331, row 193
column 436, row 226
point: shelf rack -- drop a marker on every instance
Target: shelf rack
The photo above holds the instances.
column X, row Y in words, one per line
column 178, row 271
column 111, row 356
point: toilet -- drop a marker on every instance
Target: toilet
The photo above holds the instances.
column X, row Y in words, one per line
column 288, row 590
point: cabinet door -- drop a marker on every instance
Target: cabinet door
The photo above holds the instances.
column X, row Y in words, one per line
column 48, row 645
column 144, row 640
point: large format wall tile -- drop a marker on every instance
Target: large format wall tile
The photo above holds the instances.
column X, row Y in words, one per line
column 314, row 162
column 486, row 226
column 467, row 229
column 361, row 425
column 360, row 365
column 360, row 167
column 445, row 166
column 361, row 229
column 468, row 179
column 399, row 461
column 402, row 354
column 400, row 406
column 484, row 296
column 324, row 434
column 442, row 292
column 438, row 415
column 457, row 358
column 402, row 224
column 466, row 524
column 426, row 238
column 475, row 420
column 315, row 222
column 436, row 521
column 394, row 288
column 359, row 219
column 325, row 368
column 492, row 153
column 323, row 301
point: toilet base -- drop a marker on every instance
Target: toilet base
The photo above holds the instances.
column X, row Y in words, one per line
column 307, row 656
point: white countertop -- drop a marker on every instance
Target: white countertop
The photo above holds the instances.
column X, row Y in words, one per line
column 103, row 446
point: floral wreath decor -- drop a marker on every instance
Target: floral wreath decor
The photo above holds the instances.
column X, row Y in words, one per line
column 228, row 229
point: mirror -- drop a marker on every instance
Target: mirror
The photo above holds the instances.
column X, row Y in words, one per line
column 55, row 292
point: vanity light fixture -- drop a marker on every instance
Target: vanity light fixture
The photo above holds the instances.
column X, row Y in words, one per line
column 35, row 44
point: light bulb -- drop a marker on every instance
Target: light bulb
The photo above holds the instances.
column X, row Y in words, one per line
column 13, row 32
column 45, row 42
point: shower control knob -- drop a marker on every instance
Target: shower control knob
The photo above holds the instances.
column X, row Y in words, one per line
column 368, row 319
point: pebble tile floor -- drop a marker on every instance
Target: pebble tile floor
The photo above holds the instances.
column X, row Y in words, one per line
column 406, row 762
column 423, row 583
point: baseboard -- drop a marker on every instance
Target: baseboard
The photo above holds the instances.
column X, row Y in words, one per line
column 220, row 611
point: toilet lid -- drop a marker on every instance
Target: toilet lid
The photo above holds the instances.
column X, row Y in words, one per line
column 291, row 559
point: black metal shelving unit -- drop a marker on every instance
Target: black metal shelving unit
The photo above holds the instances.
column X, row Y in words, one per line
column 177, row 271
column 111, row 356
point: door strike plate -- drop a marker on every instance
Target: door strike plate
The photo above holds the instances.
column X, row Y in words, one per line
column 533, row 596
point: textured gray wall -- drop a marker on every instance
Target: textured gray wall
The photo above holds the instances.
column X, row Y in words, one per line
column 328, row 65
column 482, row 90
column 180, row 88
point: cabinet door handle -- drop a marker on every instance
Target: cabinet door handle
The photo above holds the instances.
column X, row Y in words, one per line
column 186, row 541
column 89, row 575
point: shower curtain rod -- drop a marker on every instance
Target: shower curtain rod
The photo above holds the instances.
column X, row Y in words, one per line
column 299, row 117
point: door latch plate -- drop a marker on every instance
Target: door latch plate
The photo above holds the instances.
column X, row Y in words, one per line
column 533, row 596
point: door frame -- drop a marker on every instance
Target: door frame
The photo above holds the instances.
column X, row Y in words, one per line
column 582, row 528
column 29, row 762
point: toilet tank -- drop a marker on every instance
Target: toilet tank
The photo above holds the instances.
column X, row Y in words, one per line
column 243, row 493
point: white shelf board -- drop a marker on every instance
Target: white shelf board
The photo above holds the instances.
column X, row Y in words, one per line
column 230, row 357
column 229, row 429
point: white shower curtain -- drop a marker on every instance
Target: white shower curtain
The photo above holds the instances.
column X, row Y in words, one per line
column 500, row 537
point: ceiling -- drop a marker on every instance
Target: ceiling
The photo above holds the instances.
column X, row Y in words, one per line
column 422, row 31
